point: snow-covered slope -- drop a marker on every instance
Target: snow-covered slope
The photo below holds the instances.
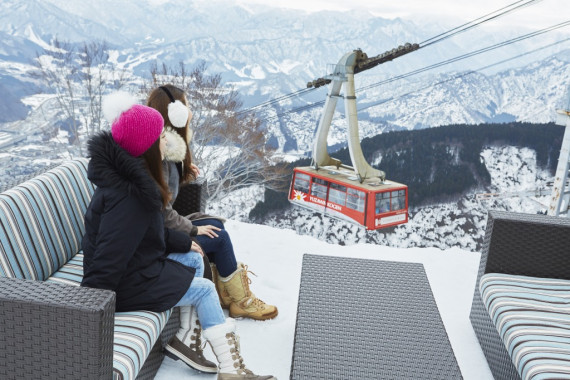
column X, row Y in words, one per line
column 514, row 174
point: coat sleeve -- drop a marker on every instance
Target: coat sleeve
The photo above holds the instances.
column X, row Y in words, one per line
column 123, row 226
column 172, row 219
column 176, row 241
column 177, row 222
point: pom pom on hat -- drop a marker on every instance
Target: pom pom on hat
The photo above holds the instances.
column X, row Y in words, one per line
column 134, row 127
column 114, row 104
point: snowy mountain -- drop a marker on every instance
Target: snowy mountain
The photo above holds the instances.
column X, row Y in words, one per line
column 266, row 52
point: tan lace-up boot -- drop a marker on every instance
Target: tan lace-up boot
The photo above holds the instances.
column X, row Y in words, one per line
column 225, row 299
column 225, row 344
column 244, row 303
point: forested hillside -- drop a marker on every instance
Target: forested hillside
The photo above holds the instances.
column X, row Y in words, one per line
column 442, row 163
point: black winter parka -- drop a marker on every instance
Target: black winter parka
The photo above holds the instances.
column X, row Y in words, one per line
column 125, row 242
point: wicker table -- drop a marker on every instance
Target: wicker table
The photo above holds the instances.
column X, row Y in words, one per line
column 368, row 319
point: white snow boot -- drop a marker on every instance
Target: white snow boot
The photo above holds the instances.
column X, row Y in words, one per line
column 225, row 344
column 186, row 345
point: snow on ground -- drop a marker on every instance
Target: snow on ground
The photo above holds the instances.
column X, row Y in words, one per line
column 513, row 169
column 275, row 255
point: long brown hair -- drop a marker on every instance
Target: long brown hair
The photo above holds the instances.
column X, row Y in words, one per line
column 153, row 160
column 159, row 100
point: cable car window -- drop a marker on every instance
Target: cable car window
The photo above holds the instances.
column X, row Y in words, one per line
column 355, row 199
column 338, row 187
column 398, row 200
column 337, row 195
column 320, row 181
column 301, row 182
column 382, row 202
column 319, row 188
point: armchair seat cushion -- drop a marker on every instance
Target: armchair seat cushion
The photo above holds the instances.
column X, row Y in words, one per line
column 532, row 317
column 135, row 333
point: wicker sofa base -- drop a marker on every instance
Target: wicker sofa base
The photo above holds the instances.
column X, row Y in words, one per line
column 517, row 244
column 154, row 359
column 493, row 347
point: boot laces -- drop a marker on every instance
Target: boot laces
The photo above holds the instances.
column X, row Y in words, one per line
column 233, row 340
column 252, row 299
column 246, row 269
column 198, row 346
column 246, row 279
column 259, row 303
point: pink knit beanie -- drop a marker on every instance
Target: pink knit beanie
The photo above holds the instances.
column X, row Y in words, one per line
column 134, row 127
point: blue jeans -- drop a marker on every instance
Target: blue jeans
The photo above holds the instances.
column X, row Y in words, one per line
column 220, row 250
column 201, row 293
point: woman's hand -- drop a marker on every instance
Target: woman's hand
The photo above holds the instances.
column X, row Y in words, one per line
column 208, row 230
column 195, row 170
column 196, row 247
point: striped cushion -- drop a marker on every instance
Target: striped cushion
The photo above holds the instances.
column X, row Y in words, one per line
column 41, row 221
column 135, row 332
column 532, row 316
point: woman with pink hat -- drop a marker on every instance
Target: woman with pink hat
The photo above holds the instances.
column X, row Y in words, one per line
column 126, row 246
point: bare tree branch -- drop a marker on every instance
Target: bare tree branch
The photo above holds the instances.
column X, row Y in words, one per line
column 230, row 147
column 79, row 78
column 58, row 68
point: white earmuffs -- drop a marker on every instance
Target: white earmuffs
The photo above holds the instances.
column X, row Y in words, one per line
column 178, row 113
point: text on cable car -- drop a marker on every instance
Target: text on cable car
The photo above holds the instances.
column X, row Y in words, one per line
column 390, row 219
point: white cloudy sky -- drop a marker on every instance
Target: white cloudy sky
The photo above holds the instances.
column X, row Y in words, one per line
column 541, row 14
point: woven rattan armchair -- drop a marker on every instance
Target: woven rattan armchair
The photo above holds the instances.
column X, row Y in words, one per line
column 519, row 244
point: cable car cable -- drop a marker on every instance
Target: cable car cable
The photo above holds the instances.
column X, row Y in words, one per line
column 438, row 38
column 469, row 55
column 459, row 76
column 474, row 23
column 418, row 71
column 278, row 99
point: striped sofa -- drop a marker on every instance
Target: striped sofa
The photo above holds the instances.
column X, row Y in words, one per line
column 50, row 327
column 521, row 305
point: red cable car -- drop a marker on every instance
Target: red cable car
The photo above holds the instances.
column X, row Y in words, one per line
column 338, row 193
column 358, row 193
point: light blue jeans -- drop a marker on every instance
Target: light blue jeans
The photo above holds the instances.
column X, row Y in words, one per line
column 201, row 293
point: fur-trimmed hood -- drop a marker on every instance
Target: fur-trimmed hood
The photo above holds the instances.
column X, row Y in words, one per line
column 175, row 146
column 112, row 167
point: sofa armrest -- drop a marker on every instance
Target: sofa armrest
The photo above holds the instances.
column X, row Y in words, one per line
column 192, row 197
column 526, row 244
column 55, row 330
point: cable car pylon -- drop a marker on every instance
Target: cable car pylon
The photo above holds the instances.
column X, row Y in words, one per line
column 559, row 201
column 350, row 64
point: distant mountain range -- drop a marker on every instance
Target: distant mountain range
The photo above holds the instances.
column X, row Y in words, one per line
column 266, row 52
